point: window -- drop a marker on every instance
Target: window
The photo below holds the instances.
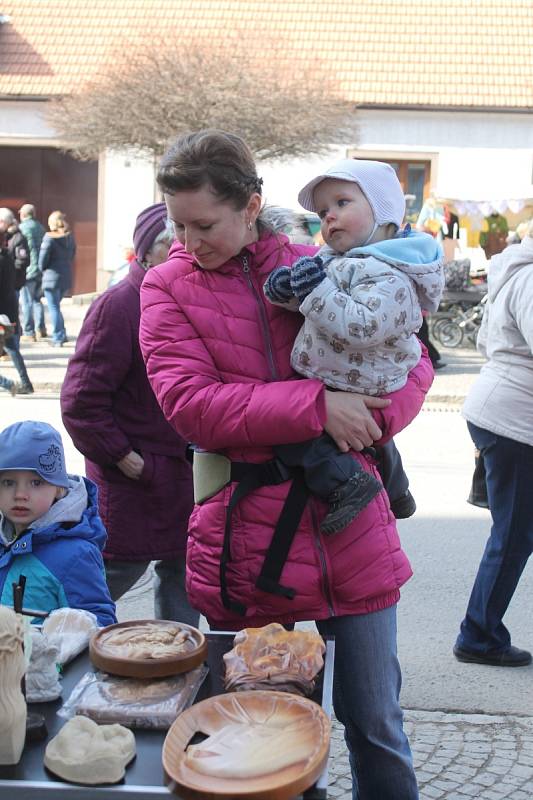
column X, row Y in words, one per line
column 414, row 177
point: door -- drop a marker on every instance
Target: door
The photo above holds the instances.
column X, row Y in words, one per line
column 52, row 181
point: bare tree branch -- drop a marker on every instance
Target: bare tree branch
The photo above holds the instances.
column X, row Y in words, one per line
column 144, row 103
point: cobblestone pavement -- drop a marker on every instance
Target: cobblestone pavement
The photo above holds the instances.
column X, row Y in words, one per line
column 457, row 756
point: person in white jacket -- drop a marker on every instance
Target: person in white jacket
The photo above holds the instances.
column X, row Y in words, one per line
column 361, row 298
column 499, row 414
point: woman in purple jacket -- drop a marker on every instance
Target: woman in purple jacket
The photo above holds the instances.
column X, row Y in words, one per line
column 133, row 455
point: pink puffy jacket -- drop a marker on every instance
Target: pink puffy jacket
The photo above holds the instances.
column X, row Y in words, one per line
column 218, row 359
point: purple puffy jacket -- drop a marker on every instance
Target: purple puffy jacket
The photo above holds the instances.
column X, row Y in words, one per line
column 109, row 409
column 218, row 358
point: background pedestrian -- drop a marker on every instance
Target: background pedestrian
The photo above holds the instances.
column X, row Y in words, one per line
column 33, row 326
column 9, row 304
column 17, row 246
column 499, row 413
column 56, row 255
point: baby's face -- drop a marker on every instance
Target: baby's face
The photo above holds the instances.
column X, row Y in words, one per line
column 25, row 496
column 346, row 216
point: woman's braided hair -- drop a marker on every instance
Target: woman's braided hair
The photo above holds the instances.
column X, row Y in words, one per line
column 212, row 158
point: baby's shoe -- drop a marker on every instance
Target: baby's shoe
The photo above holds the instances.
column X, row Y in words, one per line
column 346, row 502
column 404, row 506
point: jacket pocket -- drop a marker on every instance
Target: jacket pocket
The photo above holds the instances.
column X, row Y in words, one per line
column 148, row 469
column 50, row 279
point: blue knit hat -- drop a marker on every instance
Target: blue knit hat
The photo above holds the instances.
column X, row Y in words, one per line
column 34, row 446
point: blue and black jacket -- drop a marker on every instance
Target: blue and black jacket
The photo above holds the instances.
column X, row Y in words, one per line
column 61, row 556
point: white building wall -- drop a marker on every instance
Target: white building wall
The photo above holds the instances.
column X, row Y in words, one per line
column 445, row 128
column 282, row 180
column 23, row 121
column 126, row 186
column 475, row 156
column 480, row 156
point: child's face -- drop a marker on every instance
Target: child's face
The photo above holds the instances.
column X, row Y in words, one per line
column 345, row 213
column 25, row 496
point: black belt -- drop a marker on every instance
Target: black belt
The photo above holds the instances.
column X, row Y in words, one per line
column 250, row 477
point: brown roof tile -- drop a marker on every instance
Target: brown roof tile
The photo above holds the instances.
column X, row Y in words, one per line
column 470, row 53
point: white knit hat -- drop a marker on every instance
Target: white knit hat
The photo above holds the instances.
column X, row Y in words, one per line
column 378, row 182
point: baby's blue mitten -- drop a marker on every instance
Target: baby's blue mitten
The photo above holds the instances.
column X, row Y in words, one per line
column 278, row 286
column 306, row 274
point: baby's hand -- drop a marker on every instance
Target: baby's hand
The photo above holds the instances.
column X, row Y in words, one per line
column 307, row 273
column 278, row 286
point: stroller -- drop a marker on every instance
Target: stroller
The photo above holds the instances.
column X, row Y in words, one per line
column 461, row 309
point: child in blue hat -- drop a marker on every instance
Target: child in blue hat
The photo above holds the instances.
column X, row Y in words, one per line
column 50, row 529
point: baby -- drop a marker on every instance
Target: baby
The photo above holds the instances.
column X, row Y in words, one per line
column 50, row 529
column 361, row 297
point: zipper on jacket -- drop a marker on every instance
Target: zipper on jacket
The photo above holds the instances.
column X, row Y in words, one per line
column 264, row 321
column 322, row 557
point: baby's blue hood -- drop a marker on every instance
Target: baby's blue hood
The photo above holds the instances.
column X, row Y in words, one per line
column 414, row 247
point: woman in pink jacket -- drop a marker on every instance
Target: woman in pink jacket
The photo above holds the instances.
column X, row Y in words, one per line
column 218, row 359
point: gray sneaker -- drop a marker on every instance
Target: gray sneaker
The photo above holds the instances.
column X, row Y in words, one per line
column 346, row 502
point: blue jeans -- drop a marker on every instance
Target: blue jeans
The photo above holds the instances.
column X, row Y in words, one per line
column 170, row 597
column 53, row 300
column 6, row 383
column 12, row 348
column 509, row 479
column 32, row 308
column 366, row 691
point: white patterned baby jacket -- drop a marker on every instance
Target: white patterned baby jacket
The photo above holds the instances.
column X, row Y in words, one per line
column 359, row 333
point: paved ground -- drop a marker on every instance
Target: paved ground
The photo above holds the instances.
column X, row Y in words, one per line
column 45, row 364
column 457, row 755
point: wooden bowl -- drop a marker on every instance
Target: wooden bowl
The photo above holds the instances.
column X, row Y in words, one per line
column 262, row 746
column 112, row 649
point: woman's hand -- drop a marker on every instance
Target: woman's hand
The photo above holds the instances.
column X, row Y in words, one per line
column 132, row 465
column 349, row 421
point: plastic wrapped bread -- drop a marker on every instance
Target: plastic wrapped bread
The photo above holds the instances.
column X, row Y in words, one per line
column 71, row 629
column 134, row 702
column 42, row 677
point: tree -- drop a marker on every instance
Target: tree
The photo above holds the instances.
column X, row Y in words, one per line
column 144, row 103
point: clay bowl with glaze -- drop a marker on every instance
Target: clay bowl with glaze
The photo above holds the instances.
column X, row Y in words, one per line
column 110, row 652
column 249, row 745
